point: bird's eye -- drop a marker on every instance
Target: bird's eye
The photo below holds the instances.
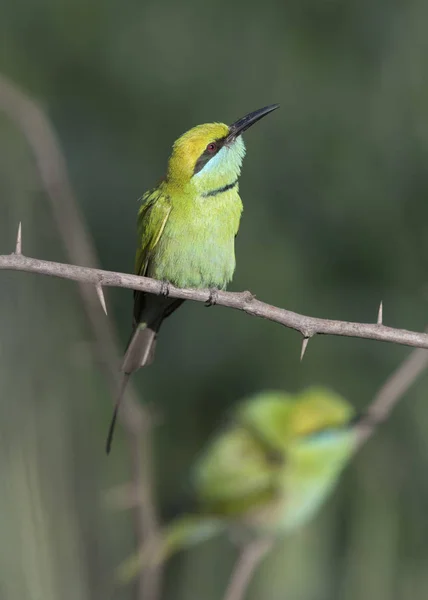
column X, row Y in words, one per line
column 212, row 147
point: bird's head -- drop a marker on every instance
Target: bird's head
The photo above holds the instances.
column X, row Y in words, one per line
column 285, row 419
column 210, row 156
column 319, row 410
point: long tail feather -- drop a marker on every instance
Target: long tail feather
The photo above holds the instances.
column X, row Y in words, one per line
column 140, row 349
column 138, row 354
column 111, row 429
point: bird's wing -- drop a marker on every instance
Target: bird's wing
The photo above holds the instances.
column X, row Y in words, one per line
column 236, row 475
column 152, row 218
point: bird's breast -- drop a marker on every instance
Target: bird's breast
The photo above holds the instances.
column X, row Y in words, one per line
column 312, row 472
column 196, row 248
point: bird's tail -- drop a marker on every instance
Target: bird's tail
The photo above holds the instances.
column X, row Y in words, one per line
column 141, row 347
column 139, row 353
column 112, row 426
column 182, row 533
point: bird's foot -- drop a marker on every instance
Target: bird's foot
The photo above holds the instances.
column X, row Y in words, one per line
column 164, row 291
column 212, row 300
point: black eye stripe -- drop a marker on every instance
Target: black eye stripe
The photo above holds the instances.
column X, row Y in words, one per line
column 206, row 155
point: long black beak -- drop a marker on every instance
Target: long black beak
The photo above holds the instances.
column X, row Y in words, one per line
column 243, row 124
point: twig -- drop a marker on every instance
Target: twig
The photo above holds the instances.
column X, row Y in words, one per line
column 39, row 133
column 245, row 301
column 249, row 559
column 391, row 392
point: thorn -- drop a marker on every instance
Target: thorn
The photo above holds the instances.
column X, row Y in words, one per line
column 101, row 298
column 18, row 247
column 304, row 346
column 380, row 314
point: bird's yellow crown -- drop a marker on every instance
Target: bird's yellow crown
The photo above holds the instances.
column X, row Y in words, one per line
column 205, row 158
column 287, row 417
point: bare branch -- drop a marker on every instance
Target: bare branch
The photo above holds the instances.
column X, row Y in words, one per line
column 251, row 556
column 39, row 133
column 307, row 326
column 397, row 384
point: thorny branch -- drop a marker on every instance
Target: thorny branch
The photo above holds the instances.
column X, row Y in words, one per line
column 245, row 301
column 39, row 133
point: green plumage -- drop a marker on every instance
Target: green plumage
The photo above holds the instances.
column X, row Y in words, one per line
column 196, row 237
column 187, row 240
column 186, row 229
column 268, row 471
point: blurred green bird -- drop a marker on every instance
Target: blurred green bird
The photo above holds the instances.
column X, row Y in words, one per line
column 268, row 472
column 186, row 229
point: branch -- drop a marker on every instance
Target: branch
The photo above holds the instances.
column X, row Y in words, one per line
column 41, row 137
column 245, row 301
column 394, row 388
column 249, row 559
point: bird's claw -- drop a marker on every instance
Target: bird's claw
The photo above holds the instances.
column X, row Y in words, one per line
column 164, row 291
column 212, row 300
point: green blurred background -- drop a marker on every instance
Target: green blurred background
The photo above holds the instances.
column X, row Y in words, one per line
column 335, row 188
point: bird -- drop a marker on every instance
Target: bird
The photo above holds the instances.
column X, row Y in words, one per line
column 266, row 473
column 186, row 230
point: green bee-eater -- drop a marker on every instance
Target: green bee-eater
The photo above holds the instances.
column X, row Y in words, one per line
column 187, row 227
column 268, row 472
